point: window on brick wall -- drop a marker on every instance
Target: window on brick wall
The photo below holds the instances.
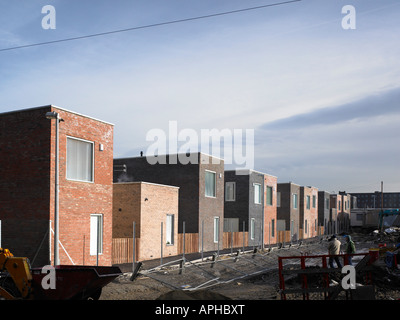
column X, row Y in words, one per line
column 252, row 228
column 269, row 196
column 257, row 193
column 170, row 229
column 210, row 182
column 273, row 228
column 230, row 191
column 96, row 234
column 308, row 202
column 295, row 200
column 314, row 201
column 79, row 160
column 278, row 199
column 216, row 229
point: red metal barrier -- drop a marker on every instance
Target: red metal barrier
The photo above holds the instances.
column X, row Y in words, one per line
column 322, row 269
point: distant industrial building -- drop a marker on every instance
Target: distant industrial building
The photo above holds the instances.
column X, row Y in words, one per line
column 374, row 200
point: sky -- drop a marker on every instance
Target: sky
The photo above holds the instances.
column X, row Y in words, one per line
column 321, row 99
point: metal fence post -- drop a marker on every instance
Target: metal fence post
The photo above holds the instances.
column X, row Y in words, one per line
column 244, row 224
column 231, row 237
column 184, row 241
column 202, row 240
column 134, row 246
column 161, row 258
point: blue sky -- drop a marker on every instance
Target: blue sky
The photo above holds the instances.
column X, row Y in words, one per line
column 323, row 101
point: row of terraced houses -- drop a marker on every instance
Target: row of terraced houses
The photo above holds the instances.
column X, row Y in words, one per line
column 107, row 206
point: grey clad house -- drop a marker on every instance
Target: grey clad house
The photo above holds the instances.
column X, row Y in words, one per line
column 288, row 213
column 324, row 210
column 244, row 204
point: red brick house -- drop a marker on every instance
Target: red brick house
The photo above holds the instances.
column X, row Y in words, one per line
column 270, row 208
column 27, row 186
column 309, row 211
column 153, row 207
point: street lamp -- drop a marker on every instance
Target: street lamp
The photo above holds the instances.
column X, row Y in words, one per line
column 54, row 115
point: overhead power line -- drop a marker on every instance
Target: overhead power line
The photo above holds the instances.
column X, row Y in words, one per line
column 149, row 25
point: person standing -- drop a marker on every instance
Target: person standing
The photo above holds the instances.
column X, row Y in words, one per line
column 349, row 249
column 333, row 251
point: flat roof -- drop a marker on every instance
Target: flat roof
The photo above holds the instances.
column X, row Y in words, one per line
column 53, row 106
column 289, row 183
column 170, row 154
column 251, row 170
column 145, row 182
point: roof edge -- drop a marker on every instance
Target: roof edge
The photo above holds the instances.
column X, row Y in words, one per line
column 56, row 107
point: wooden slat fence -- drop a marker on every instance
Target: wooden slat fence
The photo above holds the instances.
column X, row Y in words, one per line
column 191, row 243
column 122, row 250
column 236, row 238
column 283, row 236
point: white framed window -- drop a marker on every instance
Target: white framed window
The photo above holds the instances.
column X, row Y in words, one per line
column 252, row 228
column 96, row 234
column 273, row 228
column 230, row 191
column 216, row 229
column 257, row 193
column 327, row 203
column 278, row 199
column 291, row 228
column 295, row 200
column 269, row 195
column 80, row 160
column 308, row 202
column 210, row 184
column 231, row 224
column 170, row 229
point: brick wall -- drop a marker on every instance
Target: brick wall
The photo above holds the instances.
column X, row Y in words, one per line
column 25, row 182
column 240, row 207
column 130, row 205
column 270, row 211
column 308, row 216
column 323, row 210
column 194, row 207
column 78, row 200
column 27, row 145
column 211, row 207
column 286, row 211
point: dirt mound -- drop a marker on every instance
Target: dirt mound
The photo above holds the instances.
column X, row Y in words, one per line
column 194, row 295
